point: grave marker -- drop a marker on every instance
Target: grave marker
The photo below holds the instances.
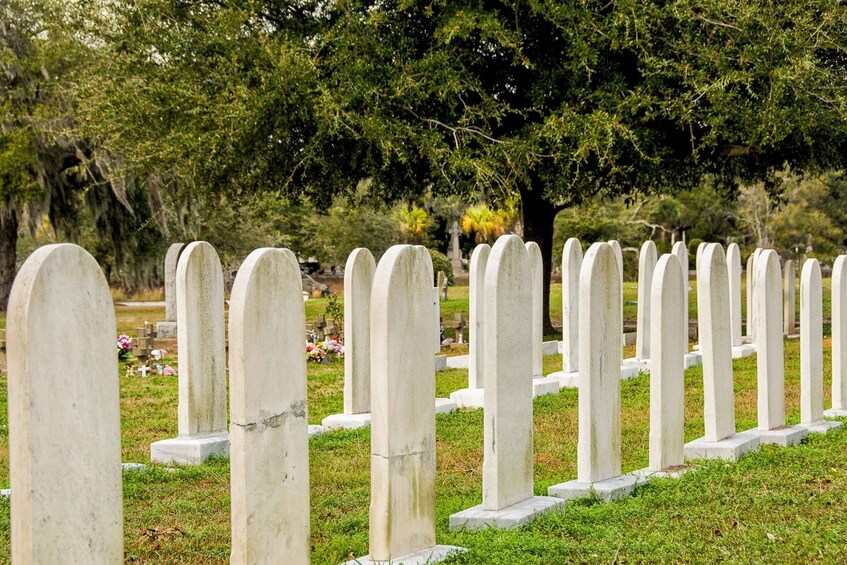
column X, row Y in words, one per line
column 839, row 339
column 789, row 305
column 167, row 329
column 571, row 265
column 646, row 265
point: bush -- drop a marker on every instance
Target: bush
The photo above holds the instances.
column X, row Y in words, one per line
column 441, row 263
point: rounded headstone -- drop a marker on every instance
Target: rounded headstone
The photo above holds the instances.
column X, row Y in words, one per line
column 358, row 280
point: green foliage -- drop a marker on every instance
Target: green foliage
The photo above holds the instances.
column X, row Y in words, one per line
column 441, row 263
column 334, row 309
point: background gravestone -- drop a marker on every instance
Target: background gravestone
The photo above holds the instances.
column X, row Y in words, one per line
column 167, row 329
column 839, row 339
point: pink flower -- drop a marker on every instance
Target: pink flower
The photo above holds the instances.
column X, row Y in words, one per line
column 169, row 371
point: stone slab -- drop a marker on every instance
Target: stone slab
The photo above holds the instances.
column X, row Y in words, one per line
column 166, row 330
column 693, row 359
column 646, row 474
column 643, row 365
column 821, row 427
column 316, row 430
column 444, row 406
column 347, row 421
column 730, row 449
column 740, row 351
column 469, row 397
column 133, row 467
column 629, row 371
column 544, row 385
column 566, row 380
column 440, row 363
column 608, row 490
column 550, row 348
column 457, row 361
column 835, row 413
column 785, row 437
column 435, row 554
column 514, row 516
column 190, row 450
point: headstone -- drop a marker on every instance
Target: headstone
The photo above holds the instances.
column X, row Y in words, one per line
column 600, row 334
column 358, row 279
column 770, row 363
column 667, row 370
column 811, row 350
column 440, row 280
column 507, row 481
column 455, row 251
column 733, row 263
column 751, row 329
column 64, row 420
column 167, row 329
column 720, row 440
column 700, row 248
column 789, row 297
column 536, row 285
column 201, row 417
column 839, row 339
column 269, row 429
column 473, row 396
column 571, row 265
column 646, row 265
column 681, row 254
column 402, row 509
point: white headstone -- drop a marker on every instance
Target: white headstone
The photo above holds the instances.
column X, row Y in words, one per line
column 753, row 295
column 646, row 265
column 269, row 469
column 839, row 337
column 700, row 248
column 733, row 263
column 571, row 265
column 811, row 343
column 616, row 247
column 600, row 332
column 402, row 510
column 789, row 305
column 536, row 285
column 716, row 344
column 507, row 463
column 358, row 279
column 667, row 371
column 476, row 297
column 171, row 260
column 64, row 420
column 681, row 253
column 770, row 366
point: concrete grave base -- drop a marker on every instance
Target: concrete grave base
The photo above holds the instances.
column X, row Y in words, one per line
column 550, row 347
column 646, row 474
column 693, row 359
column 444, row 406
column 642, row 364
column 731, row 448
column 608, row 490
column 440, row 362
column 629, row 371
column 166, row 330
column 740, row 351
column 316, row 430
column 190, row 450
column 566, row 380
column 835, row 413
column 469, row 397
column 747, row 339
column 457, row 361
column 544, row 385
column 787, row 436
column 516, row 515
column 347, row 421
column 821, row 427
column 435, row 554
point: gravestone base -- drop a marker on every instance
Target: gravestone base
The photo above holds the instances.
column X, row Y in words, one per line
column 730, row 449
column 469, row 397
column 693, row 359
column 835, row 413
column 316, row 430
column 566, row 380
column 444, row 406
column 791, row 336
column 642, row 364
column 550, row 347
column 629, row 371
column 821, row 427
column 739, row 351
column 457, row 361
column 524, row 512
column 747, row 339
column 435, row 554
column 785, row 436
column 347, row 421
column 440, row 362
column 544, row 385
column 166, row 330
column 608, row 490
column 190, row 450
column 646, row 473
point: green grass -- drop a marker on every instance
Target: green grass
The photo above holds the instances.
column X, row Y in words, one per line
column 720, row 512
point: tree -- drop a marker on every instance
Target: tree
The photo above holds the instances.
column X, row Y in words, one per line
column 486, row 224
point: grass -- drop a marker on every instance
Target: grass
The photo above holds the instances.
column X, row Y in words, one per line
column 782, row 505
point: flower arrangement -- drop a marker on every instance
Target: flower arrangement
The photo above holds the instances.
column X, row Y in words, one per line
column 314, row 353
column 324, row 351
column 124, row 347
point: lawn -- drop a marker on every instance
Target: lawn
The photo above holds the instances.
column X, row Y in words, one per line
column 783, row 505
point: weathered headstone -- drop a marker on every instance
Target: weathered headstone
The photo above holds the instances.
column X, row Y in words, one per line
column 600, row 334
column 720, row 440
column 455, row 251
column 667, row 371
column 507, row 499
column 167, row 329
column 839, row 339
column 269, row 469
column 733, row 263
column 789, row 297
column 536, row 285
column 402, row 509
column 571, row 265
column 64, row 420
column 201, row 417
column 811, row 350
column 646, row 265
column 358, row 279
column 681, row 253
column 753, row 296
column 700, row 248
column 770, row 363
column 751, row 329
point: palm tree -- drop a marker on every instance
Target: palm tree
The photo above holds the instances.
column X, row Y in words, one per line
column 486, row 224
column 413, row 223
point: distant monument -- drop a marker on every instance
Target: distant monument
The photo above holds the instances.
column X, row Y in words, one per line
column 455, row 254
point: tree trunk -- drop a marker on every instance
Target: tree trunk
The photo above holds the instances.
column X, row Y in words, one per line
column 8, row 255
column 538, row 216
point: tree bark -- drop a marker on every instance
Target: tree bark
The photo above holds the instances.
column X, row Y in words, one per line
column 538, row 216
column 8, row 255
